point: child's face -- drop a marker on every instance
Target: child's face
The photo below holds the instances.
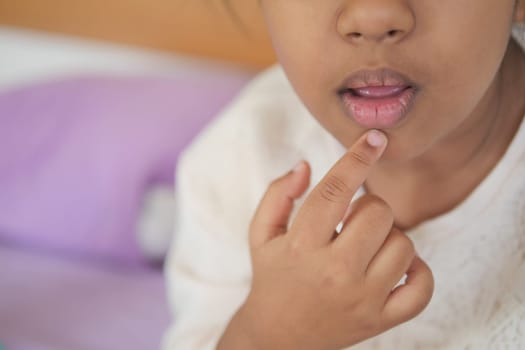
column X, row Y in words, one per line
column 449, row 51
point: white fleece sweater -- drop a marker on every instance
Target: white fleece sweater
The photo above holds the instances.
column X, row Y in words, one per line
column 476, row 251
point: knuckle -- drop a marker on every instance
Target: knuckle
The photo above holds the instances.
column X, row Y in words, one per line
column 334, row 273
column 420, row 302
column 410, row 247
column 403, row 241
column 377, row 203
column 331, row 280
column 275, row 187
column 428, row 288
column 334, row 285
column 275, row 184
column 334, row 189
column 369, row 324
column 377, row 206
column 361, row 158
column 254, row 230
column 295, row 248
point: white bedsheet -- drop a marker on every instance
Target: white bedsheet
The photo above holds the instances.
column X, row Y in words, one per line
column 28, row 56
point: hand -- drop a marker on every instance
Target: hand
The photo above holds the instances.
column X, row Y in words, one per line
column 315, row 289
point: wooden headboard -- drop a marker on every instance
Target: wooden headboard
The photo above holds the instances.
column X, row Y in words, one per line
column 201, row 27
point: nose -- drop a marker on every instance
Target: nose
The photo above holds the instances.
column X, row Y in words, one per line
column 361, row 21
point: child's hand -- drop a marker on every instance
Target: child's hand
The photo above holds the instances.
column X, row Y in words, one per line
column 313, row 289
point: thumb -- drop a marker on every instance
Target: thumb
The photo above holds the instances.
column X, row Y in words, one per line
column 272, row 215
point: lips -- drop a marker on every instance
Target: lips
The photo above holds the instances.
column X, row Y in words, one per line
column 377, row 99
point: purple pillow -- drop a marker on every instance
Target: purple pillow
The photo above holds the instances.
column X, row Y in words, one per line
column 77, row 156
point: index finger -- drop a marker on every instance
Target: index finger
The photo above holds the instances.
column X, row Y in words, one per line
column 327, row 203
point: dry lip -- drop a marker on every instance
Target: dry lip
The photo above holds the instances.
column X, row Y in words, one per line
column 397, row 93
column 375, row 78
column 407, row 105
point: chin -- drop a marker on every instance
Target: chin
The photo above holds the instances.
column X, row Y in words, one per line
column 402, row 152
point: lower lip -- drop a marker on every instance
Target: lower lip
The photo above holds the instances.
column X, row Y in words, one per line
column 379, row 112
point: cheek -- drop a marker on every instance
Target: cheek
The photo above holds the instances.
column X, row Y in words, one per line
column 299, row 31
column 464, row 50
column 315, row 79
column 462, row 70
column 456, row 60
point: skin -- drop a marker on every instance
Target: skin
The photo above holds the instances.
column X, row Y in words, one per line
column 313, row 289
column 457, row 127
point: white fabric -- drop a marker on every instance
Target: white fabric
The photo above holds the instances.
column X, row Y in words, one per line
column 476, row 251
column 28, row 57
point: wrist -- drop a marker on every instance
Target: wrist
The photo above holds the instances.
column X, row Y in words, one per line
column 240, row 334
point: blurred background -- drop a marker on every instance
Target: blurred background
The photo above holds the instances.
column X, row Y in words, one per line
column 201, row 27
column 97, row 100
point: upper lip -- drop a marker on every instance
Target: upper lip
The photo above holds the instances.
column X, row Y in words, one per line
column 377, row 77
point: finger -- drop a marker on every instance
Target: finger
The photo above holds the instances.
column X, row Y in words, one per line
column 365, row 231
column 392, row 261
column 408, row 300
column 326, row 204
column 272, row 215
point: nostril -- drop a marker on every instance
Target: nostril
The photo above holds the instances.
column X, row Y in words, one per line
column 390, row 34
column 393, row 32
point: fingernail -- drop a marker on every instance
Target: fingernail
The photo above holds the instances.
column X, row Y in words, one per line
column 376, row 138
